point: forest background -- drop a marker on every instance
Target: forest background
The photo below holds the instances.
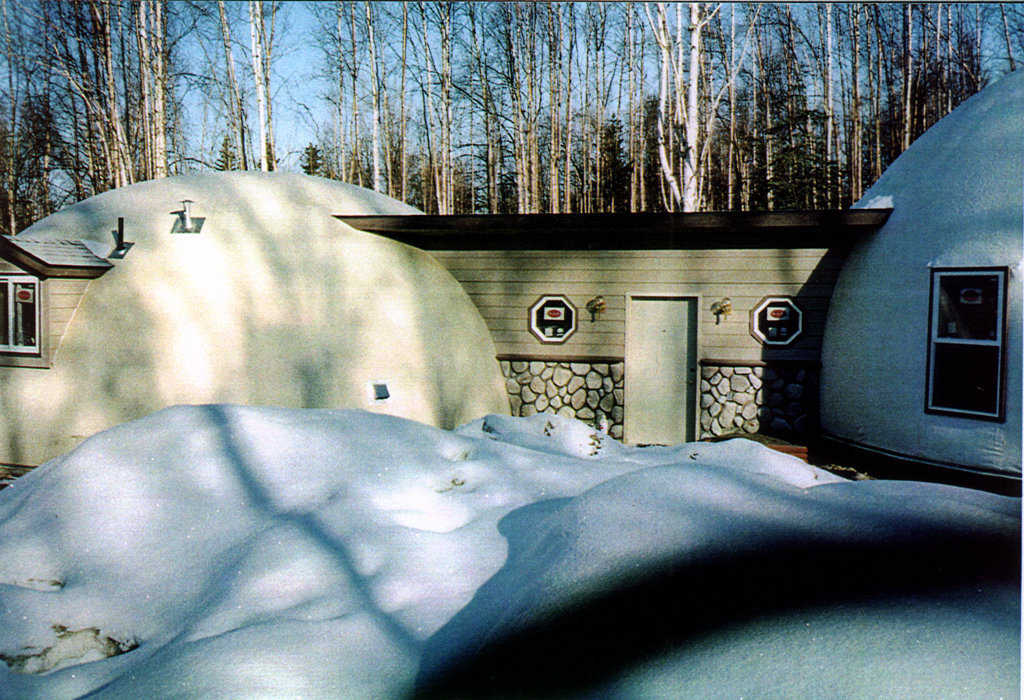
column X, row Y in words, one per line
column 460, row 107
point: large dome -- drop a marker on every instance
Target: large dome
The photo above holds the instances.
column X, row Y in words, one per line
column 273, row 302
column 891, row 380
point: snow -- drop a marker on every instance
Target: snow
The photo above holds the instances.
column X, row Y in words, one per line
column 222, row 551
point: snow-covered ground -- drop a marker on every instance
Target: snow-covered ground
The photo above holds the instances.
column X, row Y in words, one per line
column 226, row 552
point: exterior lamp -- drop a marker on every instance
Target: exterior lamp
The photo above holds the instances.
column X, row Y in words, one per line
column 722, row 307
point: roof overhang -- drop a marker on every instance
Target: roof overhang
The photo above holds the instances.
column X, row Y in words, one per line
column 626, row 231
column 35, row 258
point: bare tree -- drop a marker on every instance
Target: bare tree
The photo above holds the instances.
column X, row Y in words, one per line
column 236, row 108
column 261, row 46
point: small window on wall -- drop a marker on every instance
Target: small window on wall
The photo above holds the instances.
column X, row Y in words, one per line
column 19, row 322
column 966, row 343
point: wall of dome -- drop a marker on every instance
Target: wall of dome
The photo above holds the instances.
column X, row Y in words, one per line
column 272, row 302
column 890, row 353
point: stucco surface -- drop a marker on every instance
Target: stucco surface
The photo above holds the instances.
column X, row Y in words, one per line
column 956, row 196
column 274, row 302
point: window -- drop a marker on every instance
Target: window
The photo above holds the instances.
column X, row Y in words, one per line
column 19, row 322
column 966, row 343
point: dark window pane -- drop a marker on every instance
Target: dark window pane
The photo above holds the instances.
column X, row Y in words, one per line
column 25, row 315
column 5, row 338
column 969, row 306
column 966, row 378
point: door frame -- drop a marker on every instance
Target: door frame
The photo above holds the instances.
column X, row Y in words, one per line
column 673, row 294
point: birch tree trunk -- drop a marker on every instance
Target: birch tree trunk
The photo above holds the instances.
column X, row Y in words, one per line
column 403, row 136
column 567, row 178
column 830, row 129
column 691, row 183
column 731, row 155
column 13, row 97
column 659, row 26
column 1006, row 38
column 159, row 70
column 489, row 116
column 908, row 73
column 857, row 159
column 256, row 33
column 142, row 42
column 236, row 109
column 120, row 167
column 378, row 181
column 554, row 71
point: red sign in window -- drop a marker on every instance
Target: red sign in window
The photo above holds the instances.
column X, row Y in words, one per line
column 776, row 321
column 552, row 319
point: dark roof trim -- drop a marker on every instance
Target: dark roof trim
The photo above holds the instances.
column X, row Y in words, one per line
column 81, row 263
column 645, row 231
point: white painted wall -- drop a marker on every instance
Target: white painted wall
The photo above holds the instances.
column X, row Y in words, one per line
column 958, row 201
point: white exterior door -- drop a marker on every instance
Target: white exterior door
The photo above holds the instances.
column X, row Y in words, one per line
column 661, row 370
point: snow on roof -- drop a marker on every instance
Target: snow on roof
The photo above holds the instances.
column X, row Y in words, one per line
column 219, row 551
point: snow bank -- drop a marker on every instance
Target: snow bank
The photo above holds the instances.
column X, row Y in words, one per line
column 220, row 551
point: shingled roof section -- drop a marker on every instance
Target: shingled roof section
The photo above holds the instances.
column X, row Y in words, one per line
column 53, row 258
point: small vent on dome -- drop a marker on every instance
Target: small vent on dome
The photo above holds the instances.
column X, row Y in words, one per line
column 186, row 223
column 379, row 391
column 121, row 246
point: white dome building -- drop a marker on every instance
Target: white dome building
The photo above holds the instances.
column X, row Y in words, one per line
column 921, row 358
column 236, row 288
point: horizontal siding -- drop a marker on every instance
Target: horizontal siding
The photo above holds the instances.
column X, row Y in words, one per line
column 618, row 277
column 504, row 284
column 511, row 306
column 627, row 259
column 62, row 299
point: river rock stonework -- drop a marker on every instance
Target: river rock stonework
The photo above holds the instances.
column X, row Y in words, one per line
column 582, row 390
column 773, row 400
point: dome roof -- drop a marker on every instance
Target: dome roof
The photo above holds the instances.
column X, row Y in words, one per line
column 956, row 196
column 273, row 301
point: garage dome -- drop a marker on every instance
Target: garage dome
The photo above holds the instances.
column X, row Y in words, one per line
column 243, row 288
column 921, row 357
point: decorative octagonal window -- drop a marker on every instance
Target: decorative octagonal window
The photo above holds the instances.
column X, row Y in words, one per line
column 552, row 319
column 776, row 321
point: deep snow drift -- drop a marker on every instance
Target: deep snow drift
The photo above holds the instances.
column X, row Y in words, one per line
column 220, row 551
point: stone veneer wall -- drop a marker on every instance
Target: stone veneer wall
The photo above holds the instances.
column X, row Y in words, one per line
column 775, row 400
column 574, row 389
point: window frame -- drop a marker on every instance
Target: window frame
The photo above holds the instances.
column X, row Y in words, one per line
column 36, row 350
column 937, row 274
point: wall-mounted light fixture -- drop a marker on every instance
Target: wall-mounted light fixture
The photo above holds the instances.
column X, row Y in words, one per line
column 121, row 246
column 722, row 307
column 596, row 306
column 186, row 223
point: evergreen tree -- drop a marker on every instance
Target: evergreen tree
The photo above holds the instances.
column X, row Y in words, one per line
column 227, row 159
column 312, row 162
